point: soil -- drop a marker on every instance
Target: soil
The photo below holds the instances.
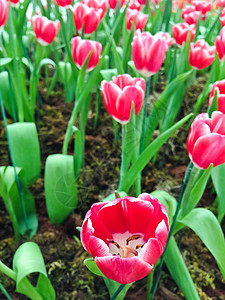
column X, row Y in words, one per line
column 60, row 245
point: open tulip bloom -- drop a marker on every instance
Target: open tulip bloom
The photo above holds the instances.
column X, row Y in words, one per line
column 126, row 236
column 201, row 54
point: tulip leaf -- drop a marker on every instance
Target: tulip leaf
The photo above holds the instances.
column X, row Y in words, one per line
column 147, row 154
column 204, row 223
column 78, row 150
column 92, row 266
column 114, row 286
column 168, row 201
column 214, row 105
column 45, row 61
column 112, row 196
column 132, row 66
column 108, row 74
column 28, row 259
column 25, row 149
column 5, row 61
column 60, row 187
column 179, row 271
column 66, row 77
column 218, row 175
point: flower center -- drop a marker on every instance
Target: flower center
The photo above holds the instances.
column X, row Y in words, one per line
column 127, row 250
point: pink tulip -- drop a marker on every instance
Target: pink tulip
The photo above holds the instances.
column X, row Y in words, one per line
column 120, row 93
column 148, row 53
column 82, row 48
column 4, row 12
column 190, row 15
column 220, row 44
column 201, row 54
column 220, row 3
column 134, row 4
column 45, row 30
column 181, row 30
column 126, row 236
column 166, row 36
column 136, row 16
column 100, row 5
column 86, row 17
column 14, row 2
column 202, row 6
column 113, row 3
column 206, row 140
column 218, row 86
column 64, row 3
column 222, row 17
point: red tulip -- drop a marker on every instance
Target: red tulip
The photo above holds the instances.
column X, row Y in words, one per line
column 3, row 12
column 113, row 3
column 134, row 4
column 136, row 16
column 64, row 3
column 220, row 3
column 126, row 236
column 86, row 17
column 190, row 15
column 14, row 2
column 120, row 93
column 202, row 6
column 220, row 44
column 201, row 54
column 148, row 53
column 180, row 32
column 222, row 17
column 45, row 30
column 82, row 48
column 206, row 140
column 218, row 86
column 100, row 5
column 166, row 36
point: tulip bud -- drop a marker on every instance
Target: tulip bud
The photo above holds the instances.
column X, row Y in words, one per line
column 45, row 30
column 201, row 54
column 180, row 32
column 3, row 12
column 82, row 48
column 190, row 15
column 220, row 44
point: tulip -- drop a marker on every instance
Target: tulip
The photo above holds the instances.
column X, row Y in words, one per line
column 222, row 17
column 4, row 12
column 126, row 236
column 202, row 6
column 64, row 3
column 206, row 140
column 100, row 5
column 148, row 53
column 86, row 17
column 180, row 32
column 201, row 54
column 14, row 2
column 190, row 15
column 220, row 44
column 113, row 3
column 166, row 36
column 136, row 16
column 134, row 4
column 218, row 86
column 45, row 30
column 82, row 48
column 120, row 93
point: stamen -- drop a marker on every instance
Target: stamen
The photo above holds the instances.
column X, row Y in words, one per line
column 114, row 243
column 133, row 237
column 139, row 246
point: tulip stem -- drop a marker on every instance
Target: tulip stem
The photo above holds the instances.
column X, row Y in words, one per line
column 159, row 271
column 120, row 288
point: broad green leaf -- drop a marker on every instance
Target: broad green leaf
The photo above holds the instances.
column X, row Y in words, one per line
column 45, row 61
column 5, row 61
column 25, row 149
column 92, row 266
column 9, row 191
column 168, row 201
column 132, row 66
column 148, row 153
column 112, row 196
column 218, row 175
column 179, row 271
column 60, row 187
column 66, row 77
column 113, row 287
column 108, row 74
column 206, row 226
column 28, row 259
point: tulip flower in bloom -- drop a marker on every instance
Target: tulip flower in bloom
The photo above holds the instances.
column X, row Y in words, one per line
column 202, row 6
column 64, row 3
column 3, row 12
column 206, row 140
column 45, row 30
column 100, row 5
column 180, row 32
column 218, row 86
column 82, row 48
column 148, row 53
column 166, row 36
column 190, row 15
column 120, row 93
column 134, row 4
column 201, row 54
column 126, row 236
column 220, row 44
column 136, row 16
column 113, row 3
column 222, row 17
column 86, row 17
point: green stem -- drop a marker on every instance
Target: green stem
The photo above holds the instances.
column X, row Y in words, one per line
column 120, row 288
column 7, row 271
column 159, row 271
column 5, row 292
column 124, row 161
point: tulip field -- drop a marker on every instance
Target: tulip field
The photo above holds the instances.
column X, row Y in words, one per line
column 112, row 132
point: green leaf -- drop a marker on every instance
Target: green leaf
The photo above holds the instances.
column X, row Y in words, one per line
column 78, row 157
column 214, row 105
column 45, row 61
column 218, row 175
column 113, row 287
column 92, row 266
column 28, row 259
column 5, row 61
column 148, row 153
column 206, row 226
column 60, row 187
column 178, row 270
column 81, row 75
column 108, row 74
column 132, row 66
column 25, row 149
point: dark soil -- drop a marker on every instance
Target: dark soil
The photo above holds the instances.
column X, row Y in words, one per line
column 60, row 245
